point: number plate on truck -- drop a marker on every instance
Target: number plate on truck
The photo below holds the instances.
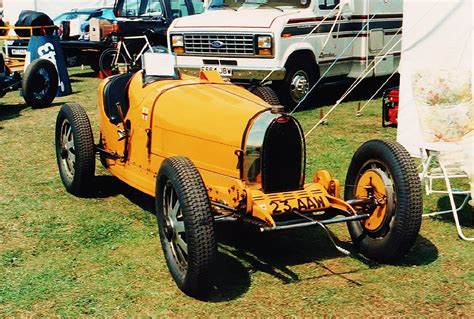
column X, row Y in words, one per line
column 19, row 51
column 223, row 70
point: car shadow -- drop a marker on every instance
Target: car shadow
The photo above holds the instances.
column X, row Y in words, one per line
column 274, row 254
column 243, row 252
column 11, row 111
column 90, row 74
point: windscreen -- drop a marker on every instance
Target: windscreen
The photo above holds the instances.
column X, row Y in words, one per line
column 141, row 8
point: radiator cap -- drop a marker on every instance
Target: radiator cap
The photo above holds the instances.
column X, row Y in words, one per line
column 277, row 109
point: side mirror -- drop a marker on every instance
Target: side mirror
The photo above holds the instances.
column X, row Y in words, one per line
column 159, row 64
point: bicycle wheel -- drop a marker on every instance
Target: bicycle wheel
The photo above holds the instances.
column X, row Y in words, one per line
column 111, row 62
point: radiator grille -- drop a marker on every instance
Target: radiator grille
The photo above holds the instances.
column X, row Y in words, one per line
column 224, row 44
column 283, row 157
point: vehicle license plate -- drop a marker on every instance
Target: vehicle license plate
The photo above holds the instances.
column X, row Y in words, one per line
column 19, row 51
column 223, row 70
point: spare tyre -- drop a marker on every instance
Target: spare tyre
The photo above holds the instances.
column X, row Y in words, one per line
column 29, row 18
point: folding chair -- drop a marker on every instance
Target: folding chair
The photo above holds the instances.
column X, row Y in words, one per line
column 435, row 168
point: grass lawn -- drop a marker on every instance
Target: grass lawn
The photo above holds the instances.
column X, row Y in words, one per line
column 67, row 256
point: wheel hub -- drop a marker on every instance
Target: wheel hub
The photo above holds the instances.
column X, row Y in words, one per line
column 375, row 184
column 299, row 85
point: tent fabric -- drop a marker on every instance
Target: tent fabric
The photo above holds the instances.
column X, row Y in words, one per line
column 436, row 106
column 436, row 110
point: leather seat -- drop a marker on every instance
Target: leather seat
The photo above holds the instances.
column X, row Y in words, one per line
column 116, row 91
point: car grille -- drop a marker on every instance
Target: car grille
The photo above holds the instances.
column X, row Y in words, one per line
column 283, row 157
column 231, row 44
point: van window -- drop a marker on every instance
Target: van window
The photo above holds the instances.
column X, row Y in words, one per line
column 328, row 4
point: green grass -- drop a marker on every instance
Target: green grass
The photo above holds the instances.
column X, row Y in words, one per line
column 66, row 256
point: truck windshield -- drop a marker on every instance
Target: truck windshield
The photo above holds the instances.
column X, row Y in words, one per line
column 259, row 4
column 141, row 8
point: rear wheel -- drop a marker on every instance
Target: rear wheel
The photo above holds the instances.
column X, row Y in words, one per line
column 111, row 62
column 186, row 225
column 75, row 149
column 40, row 83
column 386, row 171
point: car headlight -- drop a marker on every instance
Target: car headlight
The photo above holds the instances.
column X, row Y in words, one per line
column 264, row 42
column 177, row 40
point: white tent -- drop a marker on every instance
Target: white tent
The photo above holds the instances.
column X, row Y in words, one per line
column 12, row 8
column 436, row 111
column 436, row 68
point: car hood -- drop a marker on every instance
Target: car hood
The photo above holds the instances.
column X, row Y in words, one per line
column 227, row 18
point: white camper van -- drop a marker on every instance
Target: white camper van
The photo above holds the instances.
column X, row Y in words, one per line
column 291, row 43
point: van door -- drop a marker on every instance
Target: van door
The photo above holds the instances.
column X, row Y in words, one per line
column 329, row 28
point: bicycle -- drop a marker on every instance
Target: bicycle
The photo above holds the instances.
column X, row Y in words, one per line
column 120, row 60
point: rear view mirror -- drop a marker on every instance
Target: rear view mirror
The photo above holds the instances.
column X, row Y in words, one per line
column 159, row 64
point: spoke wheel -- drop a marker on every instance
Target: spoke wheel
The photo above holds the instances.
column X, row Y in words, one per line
column 68, row 150
column 186, row 225
column 384, row 171
column 75, row 152
column 174, row 227
column 111, row 62
column 40, row 83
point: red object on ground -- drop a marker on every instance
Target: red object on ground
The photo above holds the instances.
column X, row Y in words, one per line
column 390, row 107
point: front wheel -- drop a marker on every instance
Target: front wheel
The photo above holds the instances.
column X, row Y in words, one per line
column 186, row 225
column 299, row 79
column 40, row 83
column 112, row 62
column 385, row 171
column 75, row 153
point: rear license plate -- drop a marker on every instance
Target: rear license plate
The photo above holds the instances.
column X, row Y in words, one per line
column 223, row 70
column 18, row 51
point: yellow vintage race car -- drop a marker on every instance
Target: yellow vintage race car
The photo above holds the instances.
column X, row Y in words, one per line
column 206, row 149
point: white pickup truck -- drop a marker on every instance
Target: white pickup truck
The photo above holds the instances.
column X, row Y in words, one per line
column 291, row 43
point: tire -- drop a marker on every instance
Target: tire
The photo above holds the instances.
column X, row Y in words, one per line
column 40, row 83
column 106, row 62
column 396, row 223
column 299, row 79
column 267, row 94
column 75, row 152
column 191, row 249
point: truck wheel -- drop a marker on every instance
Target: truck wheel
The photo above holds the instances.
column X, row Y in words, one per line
column 267, row 94
column 186, row 225
column 75, row 149
column 387, row 169
column 40, row 83
column 109, row 62
column 299, row 79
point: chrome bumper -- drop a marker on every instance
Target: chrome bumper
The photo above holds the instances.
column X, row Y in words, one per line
column 243, row 74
